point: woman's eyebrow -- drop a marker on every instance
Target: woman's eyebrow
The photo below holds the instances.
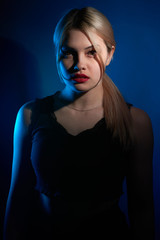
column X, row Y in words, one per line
column 66, row 47
column 97, row 45
column 89, row 47
column 71, row 48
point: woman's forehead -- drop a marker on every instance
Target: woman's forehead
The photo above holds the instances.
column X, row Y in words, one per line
column 77, row 39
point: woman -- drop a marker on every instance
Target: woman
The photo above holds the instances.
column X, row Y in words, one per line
column 73, row 149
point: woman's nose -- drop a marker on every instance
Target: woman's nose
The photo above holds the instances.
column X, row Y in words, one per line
column 80, row 64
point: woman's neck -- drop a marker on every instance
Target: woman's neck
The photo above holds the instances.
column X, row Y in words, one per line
column 82, row 101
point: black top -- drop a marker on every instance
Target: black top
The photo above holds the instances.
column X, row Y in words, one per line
column 88, row 166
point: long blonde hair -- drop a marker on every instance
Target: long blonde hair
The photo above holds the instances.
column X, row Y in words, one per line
column 88, row 20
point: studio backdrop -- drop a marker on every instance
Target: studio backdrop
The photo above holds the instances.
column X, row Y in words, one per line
column 28, row 68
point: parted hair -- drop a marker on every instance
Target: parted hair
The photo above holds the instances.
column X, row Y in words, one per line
column 116, row 110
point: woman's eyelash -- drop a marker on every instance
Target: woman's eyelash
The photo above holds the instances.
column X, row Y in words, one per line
column 65, row 52
column 68, row 52
column 92, row 52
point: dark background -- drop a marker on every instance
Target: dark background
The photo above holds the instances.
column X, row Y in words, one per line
column 28, row 70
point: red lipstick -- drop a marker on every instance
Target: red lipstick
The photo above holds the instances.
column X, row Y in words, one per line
column 80, row 78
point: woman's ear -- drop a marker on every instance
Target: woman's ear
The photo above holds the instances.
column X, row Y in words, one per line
column 110, row 55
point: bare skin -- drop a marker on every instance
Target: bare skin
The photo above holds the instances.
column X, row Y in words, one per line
column 77, row 121
column 139, row 178
column 83, row 96
column 78, row 51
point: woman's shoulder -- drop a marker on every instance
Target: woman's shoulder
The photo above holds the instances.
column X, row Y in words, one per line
column 25, row 113
column 142, row 125
column 31, row 109
column 139, row 116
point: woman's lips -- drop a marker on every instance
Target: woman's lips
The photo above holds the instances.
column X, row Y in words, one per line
column 80, row 78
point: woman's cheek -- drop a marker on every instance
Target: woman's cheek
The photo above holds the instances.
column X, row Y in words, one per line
column 64, row 71
column 67, row 63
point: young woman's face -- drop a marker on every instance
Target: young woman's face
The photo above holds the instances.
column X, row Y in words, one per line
column 78, row 61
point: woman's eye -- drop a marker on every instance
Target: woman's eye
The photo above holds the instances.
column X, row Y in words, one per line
column 92, row 53
column 66, row 54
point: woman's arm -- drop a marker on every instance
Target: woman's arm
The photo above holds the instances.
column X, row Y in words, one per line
column 140, row 178
column 22, row 180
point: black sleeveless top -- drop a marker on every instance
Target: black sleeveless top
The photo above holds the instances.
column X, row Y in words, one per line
column 90, row 165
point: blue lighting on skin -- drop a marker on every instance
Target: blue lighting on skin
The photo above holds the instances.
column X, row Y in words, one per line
column 56, row 204
column 45, row 203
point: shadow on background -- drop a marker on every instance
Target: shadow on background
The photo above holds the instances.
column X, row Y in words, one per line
column 18, row 83
column 27, row 67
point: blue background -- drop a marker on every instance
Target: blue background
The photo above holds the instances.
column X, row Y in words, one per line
column 28, row 70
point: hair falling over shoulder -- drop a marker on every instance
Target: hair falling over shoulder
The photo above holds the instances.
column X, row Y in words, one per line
column 117, row 114
column 88, row 20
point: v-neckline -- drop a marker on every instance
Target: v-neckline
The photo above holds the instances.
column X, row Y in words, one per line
column 97, row 124
column 54, row 118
